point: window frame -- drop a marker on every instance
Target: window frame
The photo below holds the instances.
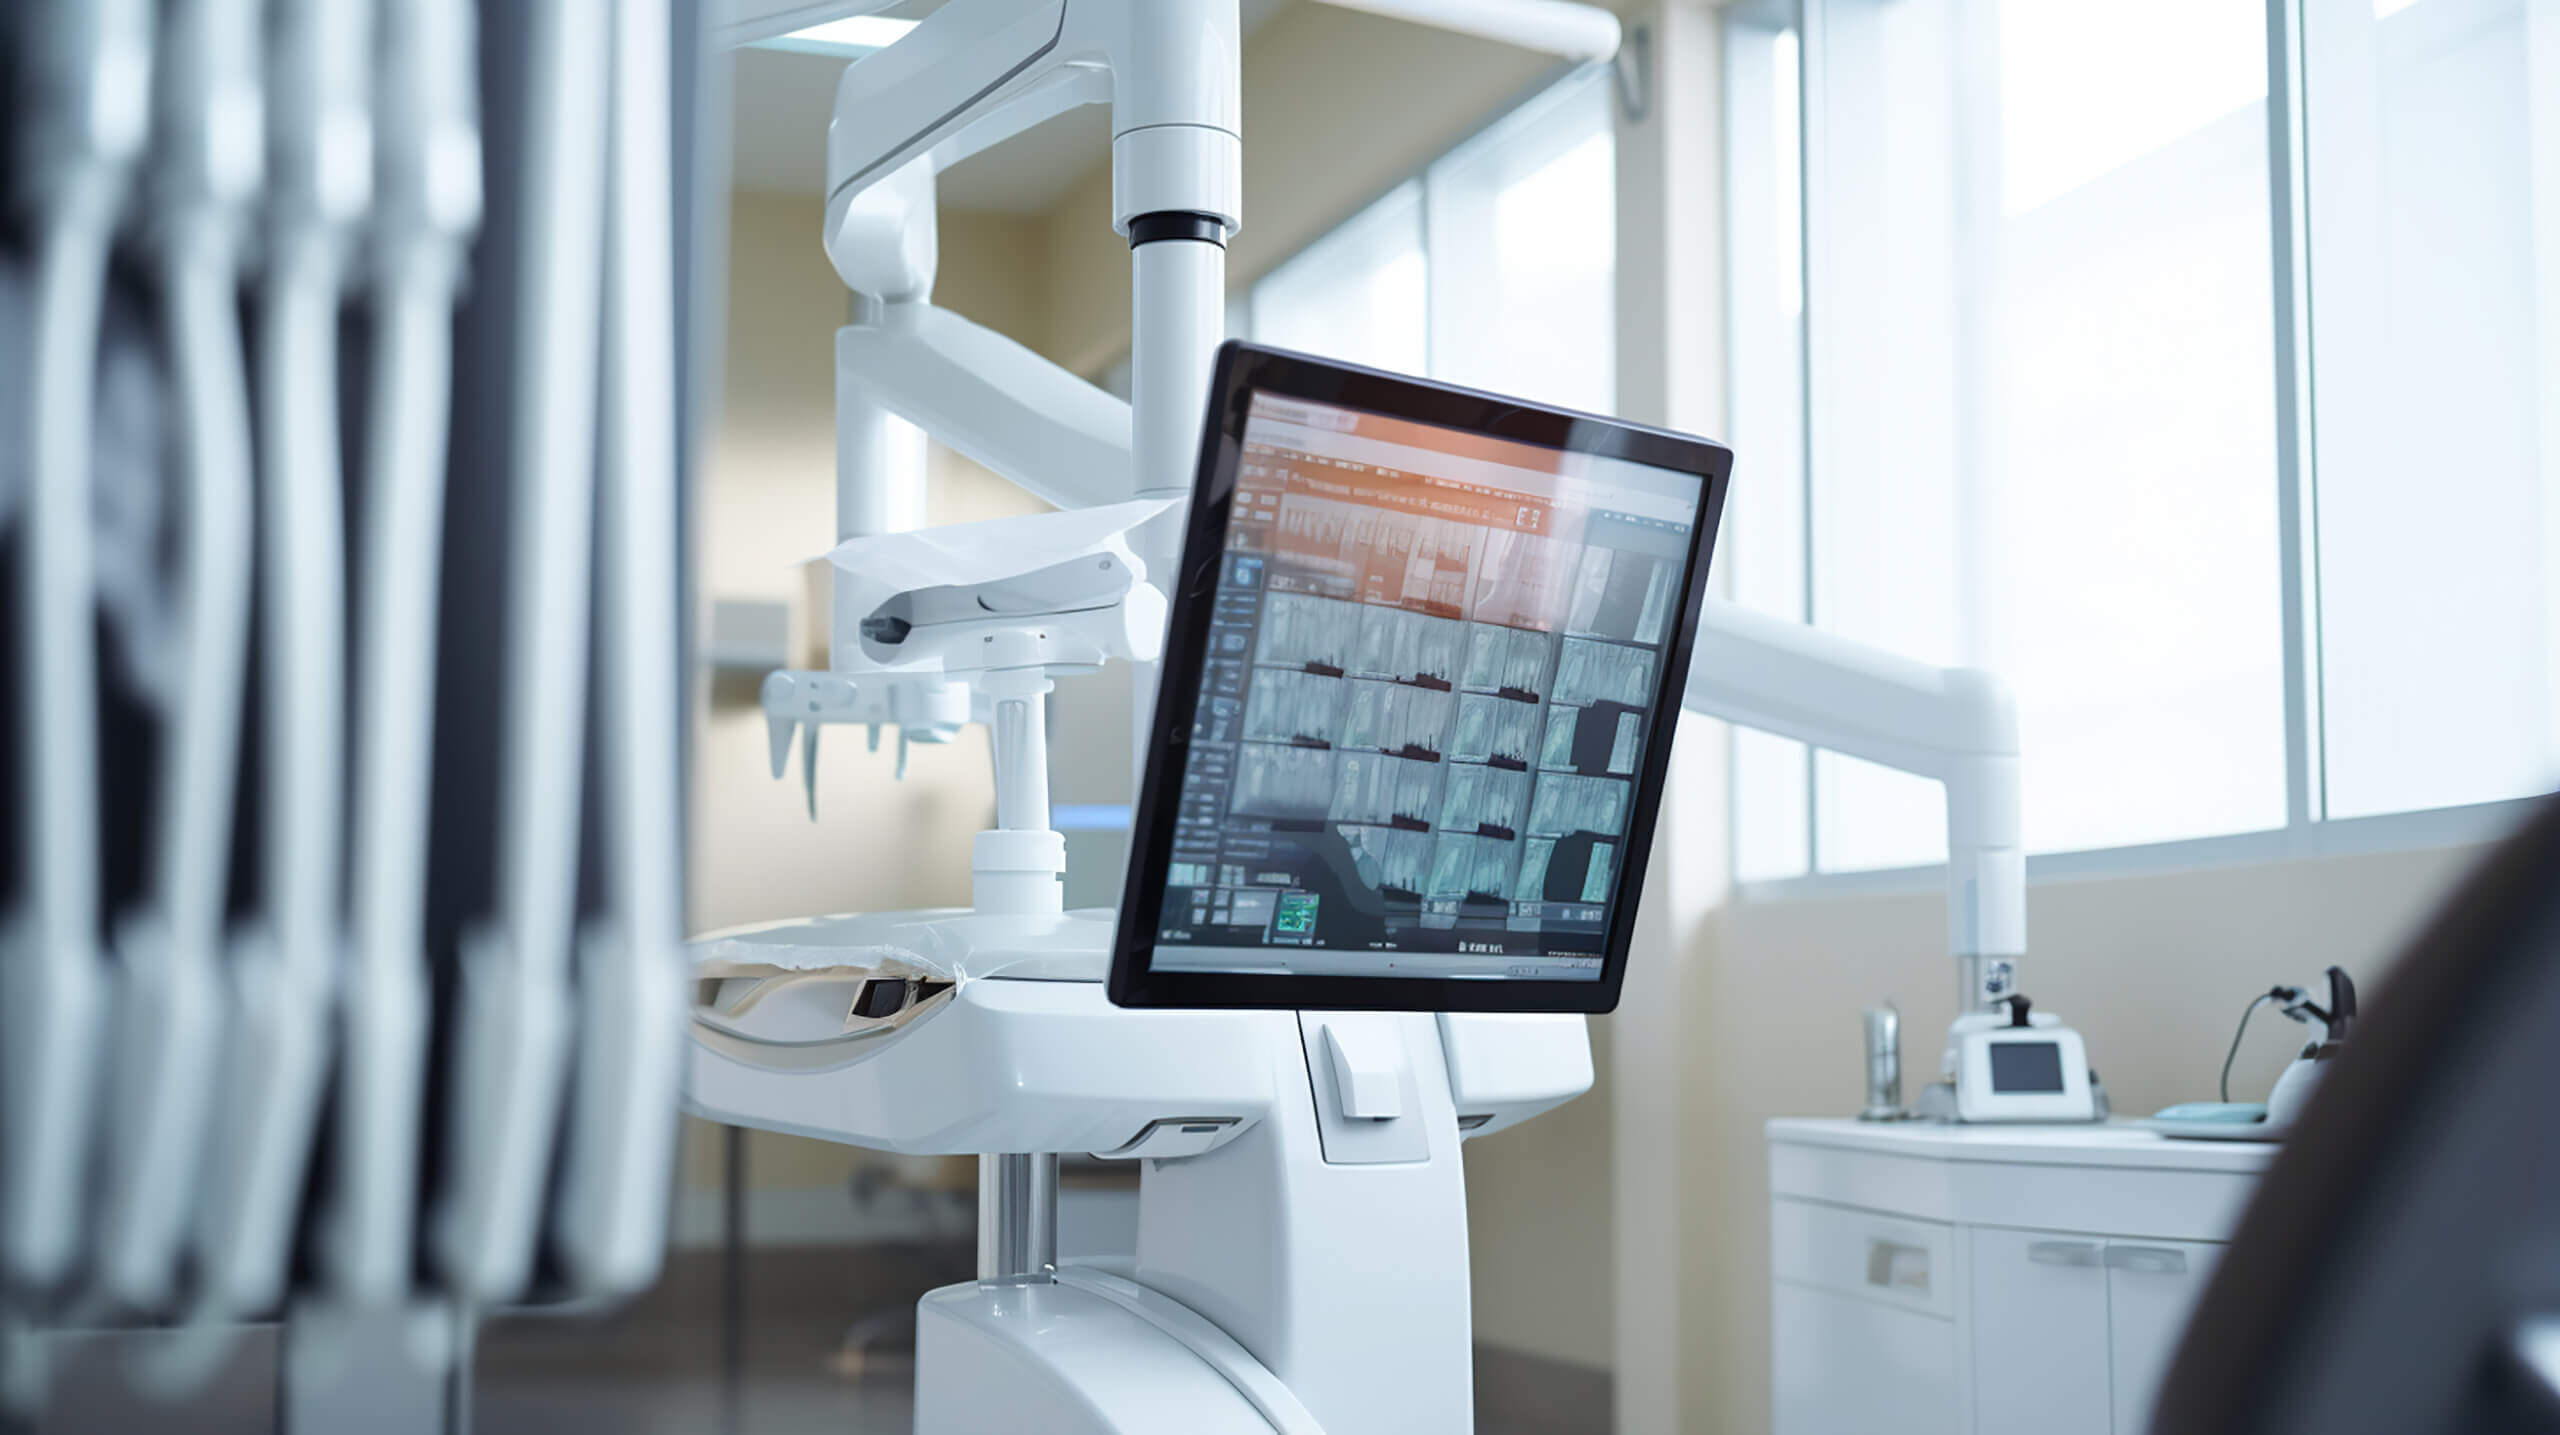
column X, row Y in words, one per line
column 2308, row 831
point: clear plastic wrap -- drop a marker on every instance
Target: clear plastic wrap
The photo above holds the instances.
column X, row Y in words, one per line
column 826, row 979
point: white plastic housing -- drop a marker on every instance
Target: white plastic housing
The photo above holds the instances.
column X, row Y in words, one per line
column 1009, row 1065
column 1173, row 65
column 1558, row 27
column 987, row 1354
column 883, row 239
column 993, row 401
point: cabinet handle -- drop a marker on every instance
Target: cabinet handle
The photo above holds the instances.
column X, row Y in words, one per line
column 2150, row 1260
column 1897, row 1266
column 2063, row 1253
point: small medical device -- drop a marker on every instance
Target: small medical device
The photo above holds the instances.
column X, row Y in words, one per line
column 1418, row 697
column 2269, row 1120
column 2030, row 1068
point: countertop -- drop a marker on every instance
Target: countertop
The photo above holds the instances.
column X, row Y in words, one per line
column 2112, row 1143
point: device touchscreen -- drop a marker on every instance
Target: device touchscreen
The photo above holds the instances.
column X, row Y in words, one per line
column 1436, row 670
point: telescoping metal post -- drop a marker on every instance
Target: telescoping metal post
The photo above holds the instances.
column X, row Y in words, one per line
column 1017, row 1217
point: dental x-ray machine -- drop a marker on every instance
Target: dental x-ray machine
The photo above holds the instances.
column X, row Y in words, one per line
column 1281, row 1281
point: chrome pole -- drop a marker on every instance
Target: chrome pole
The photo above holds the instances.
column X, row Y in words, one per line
column 1017, row 1217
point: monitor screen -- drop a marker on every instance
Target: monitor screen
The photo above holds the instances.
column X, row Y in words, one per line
column 1435, row 674
column 2020, row 1067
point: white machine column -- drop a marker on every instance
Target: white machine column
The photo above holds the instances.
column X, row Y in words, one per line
column 1177, row 193
column 879, row 464
column 1331, row 1239
column 1178, row 274
column 1179, row 318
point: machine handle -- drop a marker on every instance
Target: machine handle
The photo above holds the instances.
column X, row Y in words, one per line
column 2084, row 1254
column 2151, row 1260
column 1897, row 1266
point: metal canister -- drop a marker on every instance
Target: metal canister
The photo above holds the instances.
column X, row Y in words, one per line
column 1884, row 1065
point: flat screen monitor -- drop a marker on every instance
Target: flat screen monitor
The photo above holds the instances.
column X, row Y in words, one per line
column 1426, row 652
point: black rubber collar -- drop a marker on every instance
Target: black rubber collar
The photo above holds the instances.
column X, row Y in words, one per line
column 1176, row 224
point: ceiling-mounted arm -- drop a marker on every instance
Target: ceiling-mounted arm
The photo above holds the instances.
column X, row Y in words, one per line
column 993, row 401
column 1958, row 725
column 966, row 60
column 1556, row 27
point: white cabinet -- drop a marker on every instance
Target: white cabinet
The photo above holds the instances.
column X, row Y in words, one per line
column 2039, row 1334
column 1847, row 1364
column 1864, row 1295
column 2151, row 1285
column 1986, row 1281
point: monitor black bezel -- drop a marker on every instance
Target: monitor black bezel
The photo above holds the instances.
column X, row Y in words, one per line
column 1240, row 370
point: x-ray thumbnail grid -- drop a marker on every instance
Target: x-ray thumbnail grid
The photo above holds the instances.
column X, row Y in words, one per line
column 1454, row 752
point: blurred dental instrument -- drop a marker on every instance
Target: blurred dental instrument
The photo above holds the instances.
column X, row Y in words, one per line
column 203, row 180
column 284, row 967
column 82, row 108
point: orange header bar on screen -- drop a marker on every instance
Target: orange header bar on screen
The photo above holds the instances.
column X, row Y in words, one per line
column 1458, row 443
column 1417, row 494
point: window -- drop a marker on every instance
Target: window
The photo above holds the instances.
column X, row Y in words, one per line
column 2014, row 301
column 1496, row 267
column 1524, row 253
column 1356, row 294
column 2434, row 166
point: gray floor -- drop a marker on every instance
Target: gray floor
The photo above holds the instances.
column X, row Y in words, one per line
column 660, row 1366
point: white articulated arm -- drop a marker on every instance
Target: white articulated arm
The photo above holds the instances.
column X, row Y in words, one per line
column 1557, row 27
column 972, row 74
column 1068, row 87
column 978, row 71
column 1958, row 725
column 993, row 401
column 967, row 59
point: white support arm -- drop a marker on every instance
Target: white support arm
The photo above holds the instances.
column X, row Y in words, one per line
column 1557, row 27
column 1958, row 725
column 967, row 59
column 978, row 71
column 992, row 400
column 1068, row 87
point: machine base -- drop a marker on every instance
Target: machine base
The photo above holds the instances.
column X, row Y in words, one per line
column 990, row 1355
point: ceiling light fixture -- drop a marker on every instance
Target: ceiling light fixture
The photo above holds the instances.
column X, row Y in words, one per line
column 849, row 37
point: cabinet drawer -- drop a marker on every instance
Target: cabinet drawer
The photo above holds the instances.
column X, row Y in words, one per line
column 1840, row 1365
column 1898, row 1262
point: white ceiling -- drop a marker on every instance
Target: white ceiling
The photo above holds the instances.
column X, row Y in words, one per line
column 778, row 137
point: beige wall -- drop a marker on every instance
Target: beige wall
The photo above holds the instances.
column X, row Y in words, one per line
column 2152, row 970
